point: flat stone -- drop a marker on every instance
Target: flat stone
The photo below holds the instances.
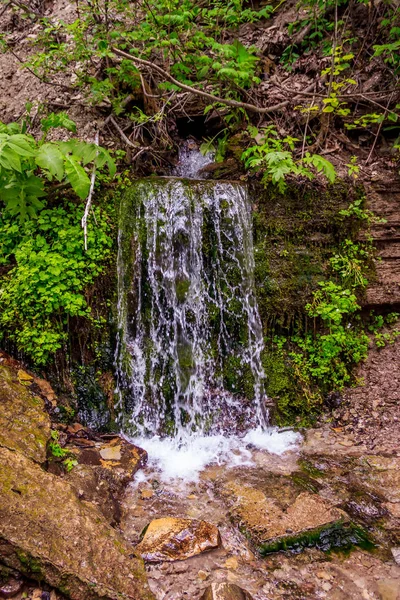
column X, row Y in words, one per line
column 396, row 554
column 111, row 452
column 389, row 589
column 24, row 376
column 170, row 539
column 272, row 528
column 49, row 535
column 118, row 456
column 24, row 422
column 225, row 591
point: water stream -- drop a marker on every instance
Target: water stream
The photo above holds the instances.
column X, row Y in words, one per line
column 189, row 354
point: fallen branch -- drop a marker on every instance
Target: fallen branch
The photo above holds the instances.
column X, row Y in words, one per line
column 110, row 119
column 89, row 198
column 227, row 101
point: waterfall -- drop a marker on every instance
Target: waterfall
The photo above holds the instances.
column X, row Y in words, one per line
column 189, row 333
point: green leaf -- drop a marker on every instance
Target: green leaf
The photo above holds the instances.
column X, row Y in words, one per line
column 21, row 144
column 9, row 159
column 51, row 159
column 322, row 165
column 60, row 119
column 77, row 176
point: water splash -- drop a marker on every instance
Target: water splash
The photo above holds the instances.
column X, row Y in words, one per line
column 190, row 336
column 191, row 161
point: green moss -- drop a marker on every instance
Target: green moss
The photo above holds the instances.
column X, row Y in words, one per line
column 29, row 564
column 295, row 235
column 182, row 287
column 335, row 537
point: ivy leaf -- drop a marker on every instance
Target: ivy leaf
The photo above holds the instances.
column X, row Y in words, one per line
column 77, row 176
column 50, row 159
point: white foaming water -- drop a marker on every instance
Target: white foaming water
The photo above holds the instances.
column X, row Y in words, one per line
column 191, row 161
column 184, row 462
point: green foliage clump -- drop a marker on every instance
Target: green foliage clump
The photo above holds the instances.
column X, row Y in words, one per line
column 46, row 285
column 46, row 269
column 275, row 158
column 27, row 165
column 308, row 361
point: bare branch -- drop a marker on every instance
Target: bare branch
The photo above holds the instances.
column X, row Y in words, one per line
column 227, row 101
column 89, row 198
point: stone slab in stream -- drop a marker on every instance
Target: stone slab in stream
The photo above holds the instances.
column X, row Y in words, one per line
column 24, row 422
column 48, row 534
column 305, row 522
column 171, row 539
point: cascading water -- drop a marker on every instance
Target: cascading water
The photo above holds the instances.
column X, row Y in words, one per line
column 190, row 338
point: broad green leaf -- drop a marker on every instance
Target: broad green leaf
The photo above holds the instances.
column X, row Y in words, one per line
column 51, row 159
column 77, row 176
column 21, row 144
column 10, row 160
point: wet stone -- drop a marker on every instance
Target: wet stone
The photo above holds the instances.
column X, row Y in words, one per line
column 305, row 522
column 11, row 587
column 171, row 539
column 225, row 591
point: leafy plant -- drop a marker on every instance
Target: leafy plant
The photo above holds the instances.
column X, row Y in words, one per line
column 26, row 166
column 274, row 158
column 46, row 285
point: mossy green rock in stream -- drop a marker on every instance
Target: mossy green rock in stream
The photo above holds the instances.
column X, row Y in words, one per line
column 308, row 520
column 24, row 422
column 49, row 535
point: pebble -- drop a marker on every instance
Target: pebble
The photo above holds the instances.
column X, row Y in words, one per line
column 232, row 563
column 202, row 575
column 326, row 587
column 146, row 494
column 11, row 588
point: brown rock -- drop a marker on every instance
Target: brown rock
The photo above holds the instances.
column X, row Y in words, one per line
column 389, row 589
column 46, row 390
column 225, row 591
column 24, row 422
column 122, row 457
column 49, row 535
column 11, row 587
column 96, row 485
column 170, row 539
column 117, row 455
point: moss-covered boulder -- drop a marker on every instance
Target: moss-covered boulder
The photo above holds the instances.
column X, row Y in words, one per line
column 305, row 521
column 24, row 422
column 50, row 535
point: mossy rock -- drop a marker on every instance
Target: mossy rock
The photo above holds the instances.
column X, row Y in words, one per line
column 49, row 535
column 24, row 422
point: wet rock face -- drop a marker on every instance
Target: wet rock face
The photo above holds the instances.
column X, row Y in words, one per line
column 48, row 534
column 225, row 591
column 171, row 539
column 24, row 422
